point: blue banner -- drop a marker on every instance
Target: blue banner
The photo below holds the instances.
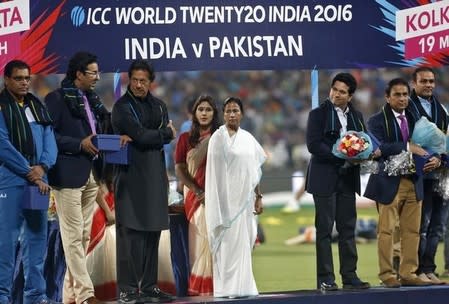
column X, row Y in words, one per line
column 227, row 35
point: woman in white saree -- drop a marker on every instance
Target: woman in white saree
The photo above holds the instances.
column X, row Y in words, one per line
column 233, row 197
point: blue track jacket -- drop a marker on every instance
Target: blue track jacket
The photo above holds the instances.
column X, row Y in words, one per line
column 13, row 166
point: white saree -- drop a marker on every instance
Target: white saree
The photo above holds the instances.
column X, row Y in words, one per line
column 233, row 170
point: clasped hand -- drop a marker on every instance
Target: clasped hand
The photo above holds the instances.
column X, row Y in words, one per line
column 88, row 147
column 433, row 163
column 36, row 173
column 35, row 176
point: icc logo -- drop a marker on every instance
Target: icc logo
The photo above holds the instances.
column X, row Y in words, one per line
column 90, row 16
column 77, row 15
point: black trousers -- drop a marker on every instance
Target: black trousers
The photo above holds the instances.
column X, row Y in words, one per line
column 137, row 259
column 339, row 208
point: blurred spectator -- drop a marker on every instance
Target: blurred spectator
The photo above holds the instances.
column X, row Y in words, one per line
column 277, row 102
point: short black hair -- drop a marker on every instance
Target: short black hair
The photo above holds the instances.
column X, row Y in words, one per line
column 395, row 82
column 421, row 69
column 79, row 62
column 347, row 79
column 142, row 65
column 233, row 99
column 15, row 64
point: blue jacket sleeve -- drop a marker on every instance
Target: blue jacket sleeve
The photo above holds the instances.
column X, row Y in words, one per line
column 9, row 156
column 50, row 149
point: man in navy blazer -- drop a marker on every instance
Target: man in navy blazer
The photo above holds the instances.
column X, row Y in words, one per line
column 333, row 183
column 398, row 197
column 77, row 113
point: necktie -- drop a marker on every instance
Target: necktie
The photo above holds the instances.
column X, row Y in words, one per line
column 90, row 117
column 404, row 127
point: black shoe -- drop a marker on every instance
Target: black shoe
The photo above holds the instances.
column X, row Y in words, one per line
column 155, row 295
column 328, row 286
column 128, row 297
column 355, row 283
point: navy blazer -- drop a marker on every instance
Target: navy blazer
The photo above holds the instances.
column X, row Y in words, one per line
column 324, row 171
column 381, row 187
column 73, row 166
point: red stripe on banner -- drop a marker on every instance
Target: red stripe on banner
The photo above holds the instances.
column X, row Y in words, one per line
column 35, row 41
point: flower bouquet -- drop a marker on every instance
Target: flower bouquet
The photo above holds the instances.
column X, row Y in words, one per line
column 427, row 135
column 353, row 146
column 356, row 147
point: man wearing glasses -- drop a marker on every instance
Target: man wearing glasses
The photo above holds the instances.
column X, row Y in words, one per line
column 77, row 113
column 26, row 153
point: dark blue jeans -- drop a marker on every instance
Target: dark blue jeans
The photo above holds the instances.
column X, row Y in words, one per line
column 433, row 219
column 33, row 225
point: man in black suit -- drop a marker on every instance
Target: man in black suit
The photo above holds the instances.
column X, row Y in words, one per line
column 397, row 197
column 77, row 112
column 141, row 187
column 333, row 184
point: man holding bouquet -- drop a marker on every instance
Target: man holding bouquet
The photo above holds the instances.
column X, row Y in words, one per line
column 424, row 104
column 398, row 196
column 333, row 183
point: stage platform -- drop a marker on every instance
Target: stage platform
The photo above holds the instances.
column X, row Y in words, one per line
column 375, row 295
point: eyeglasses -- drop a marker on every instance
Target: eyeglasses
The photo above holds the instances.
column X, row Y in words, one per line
column 95, row 74
column 21, row 78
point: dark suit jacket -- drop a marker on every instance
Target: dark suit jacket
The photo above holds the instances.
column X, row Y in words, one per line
column 324, row 171
column 381, row 187
column 72, row 166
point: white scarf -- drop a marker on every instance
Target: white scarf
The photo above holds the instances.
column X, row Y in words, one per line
column 233, row 170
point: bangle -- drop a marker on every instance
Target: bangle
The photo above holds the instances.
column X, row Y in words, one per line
column 259, row 195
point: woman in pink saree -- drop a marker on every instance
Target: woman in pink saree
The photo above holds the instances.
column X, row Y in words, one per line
column 191, row 152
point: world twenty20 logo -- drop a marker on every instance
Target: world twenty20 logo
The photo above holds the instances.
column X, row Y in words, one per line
column 77, row 16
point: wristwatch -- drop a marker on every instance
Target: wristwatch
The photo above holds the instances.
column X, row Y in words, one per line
column 259, row 195
column 44, row 166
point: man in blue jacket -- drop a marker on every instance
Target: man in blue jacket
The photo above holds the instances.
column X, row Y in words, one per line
column 27, row 151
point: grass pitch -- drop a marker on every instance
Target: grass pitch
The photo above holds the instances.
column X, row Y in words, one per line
column 278, row 267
